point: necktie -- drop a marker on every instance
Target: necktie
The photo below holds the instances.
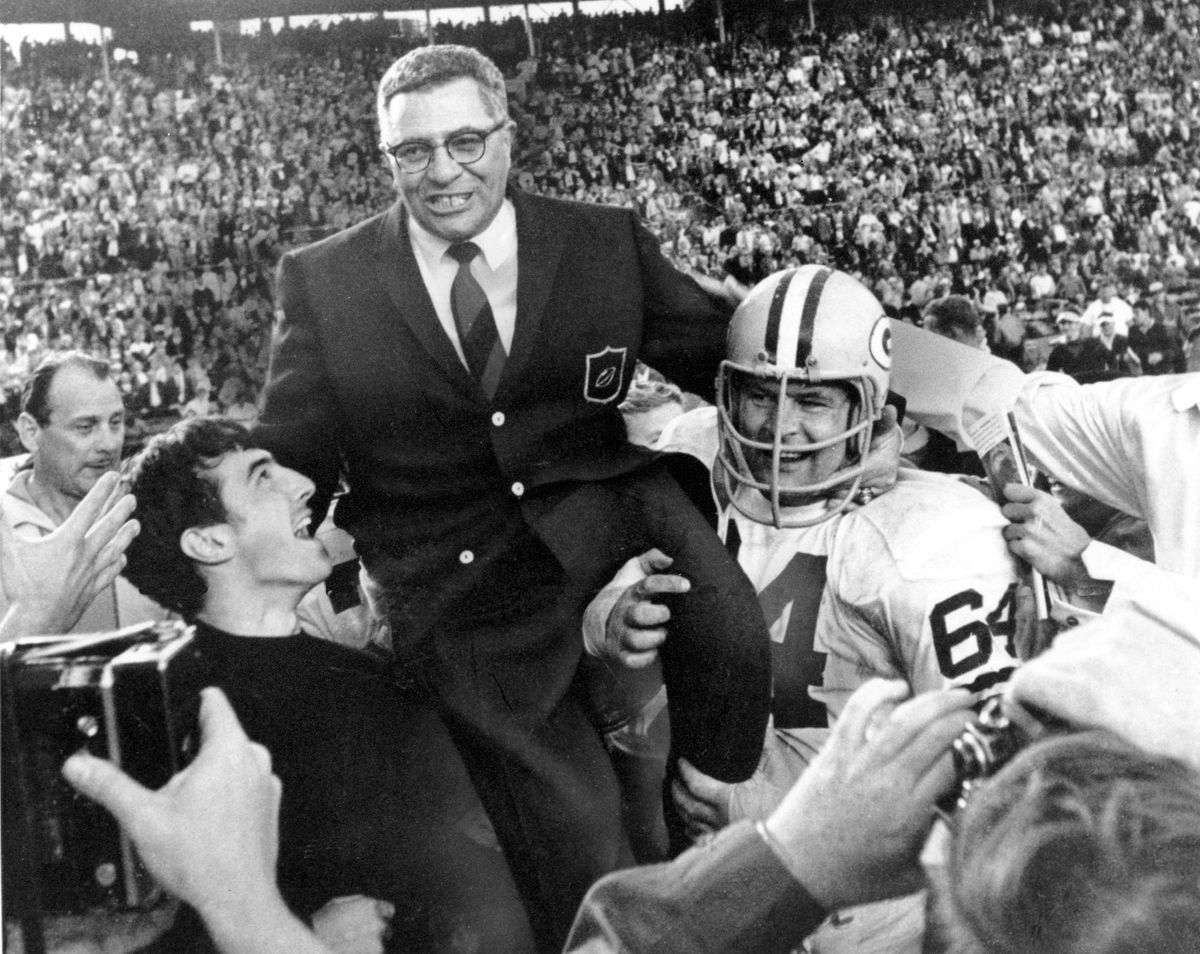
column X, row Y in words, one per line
column 473, row 318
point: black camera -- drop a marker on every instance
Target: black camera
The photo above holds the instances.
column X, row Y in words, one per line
column 131, row 696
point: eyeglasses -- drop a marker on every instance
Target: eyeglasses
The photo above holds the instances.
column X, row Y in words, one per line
column 464, row 148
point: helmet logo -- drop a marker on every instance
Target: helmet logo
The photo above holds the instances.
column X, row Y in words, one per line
column 881, row 343
column 604, row 375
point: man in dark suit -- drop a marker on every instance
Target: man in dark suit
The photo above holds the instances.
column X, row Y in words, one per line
column 176, row 388
column 1157, row 347
column 1077, row 355
column 460, row 360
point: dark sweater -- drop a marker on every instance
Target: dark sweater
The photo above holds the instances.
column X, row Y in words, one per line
column 374, row 793
column 348, row 747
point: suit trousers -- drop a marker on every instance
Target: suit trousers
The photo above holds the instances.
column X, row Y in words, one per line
column 504, row 673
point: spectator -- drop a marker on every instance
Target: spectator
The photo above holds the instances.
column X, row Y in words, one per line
column 373, row 792
column 73, row 424
column 47, row 583
column 1111, row 307
column 1163, row 307
column 955, row 317
column 1156, row 348
column 1121, row 359
column 1081, row 356
column 240, row 405
column 199, row 406
column 1041, row 283
column 1090, row 190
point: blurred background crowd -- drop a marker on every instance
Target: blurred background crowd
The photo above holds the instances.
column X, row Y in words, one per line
column 1043, row 167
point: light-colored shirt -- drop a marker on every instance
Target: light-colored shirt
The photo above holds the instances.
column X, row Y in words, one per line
column 1132, row 443
column 1115, row 308
column 495, row 269
column 1134, row 671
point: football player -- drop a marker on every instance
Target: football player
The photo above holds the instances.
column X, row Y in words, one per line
column 916, row 583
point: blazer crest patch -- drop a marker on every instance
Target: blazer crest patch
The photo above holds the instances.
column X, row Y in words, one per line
column 605, row 375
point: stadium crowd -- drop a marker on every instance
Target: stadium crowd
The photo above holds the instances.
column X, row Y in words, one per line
column 1020, row 164
column 778, row 669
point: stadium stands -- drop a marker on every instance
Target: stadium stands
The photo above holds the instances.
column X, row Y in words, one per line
column 142, row 219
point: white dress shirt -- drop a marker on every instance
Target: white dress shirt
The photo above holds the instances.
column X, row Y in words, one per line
column 495, row 269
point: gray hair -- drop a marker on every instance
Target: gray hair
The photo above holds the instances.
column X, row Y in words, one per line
column 436, row 65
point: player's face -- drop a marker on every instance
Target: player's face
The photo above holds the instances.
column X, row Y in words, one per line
column 809, row 413
column 82, row 438
column 266, row 505
column 453, row 201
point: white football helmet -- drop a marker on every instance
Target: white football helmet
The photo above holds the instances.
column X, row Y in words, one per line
column 808, row 325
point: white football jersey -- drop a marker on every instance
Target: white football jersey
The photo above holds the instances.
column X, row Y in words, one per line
column 916, row 585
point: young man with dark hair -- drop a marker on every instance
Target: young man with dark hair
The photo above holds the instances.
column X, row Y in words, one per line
column 373, row 804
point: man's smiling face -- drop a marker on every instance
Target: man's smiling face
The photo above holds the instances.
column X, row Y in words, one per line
column 804, row 414
column 266, row 506
column 451, row 200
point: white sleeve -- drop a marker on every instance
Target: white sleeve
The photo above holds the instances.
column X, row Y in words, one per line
column 1105, row 562
column 1134, row 671
column 1132, row 443
column 1084, row 437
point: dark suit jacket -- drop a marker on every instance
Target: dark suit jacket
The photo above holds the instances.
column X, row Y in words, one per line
column 1157, row 339
column 364, row 381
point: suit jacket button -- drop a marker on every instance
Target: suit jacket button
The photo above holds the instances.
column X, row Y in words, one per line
column 498, row 418
column 518, row 489
column 466, row 557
